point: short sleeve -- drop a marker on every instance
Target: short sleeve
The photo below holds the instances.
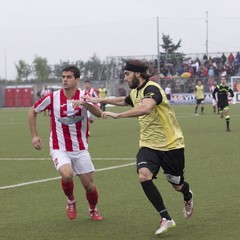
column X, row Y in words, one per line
column 154, row 93
column 128, row 101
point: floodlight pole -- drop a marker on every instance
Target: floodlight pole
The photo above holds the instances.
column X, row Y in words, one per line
column 158, row 55
column 5, row 63
column 207, row 33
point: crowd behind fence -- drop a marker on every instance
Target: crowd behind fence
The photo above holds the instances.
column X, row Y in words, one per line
column 25, row 95
column 200, row 67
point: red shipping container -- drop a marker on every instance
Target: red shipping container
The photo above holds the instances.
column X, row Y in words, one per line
column 10, row 96
column 19, row 96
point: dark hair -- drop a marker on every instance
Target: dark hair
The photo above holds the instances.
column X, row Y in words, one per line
column 87, row 81
column 140, row 64
column 72, row 69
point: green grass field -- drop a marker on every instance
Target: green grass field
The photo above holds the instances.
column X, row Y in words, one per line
column 37, row 211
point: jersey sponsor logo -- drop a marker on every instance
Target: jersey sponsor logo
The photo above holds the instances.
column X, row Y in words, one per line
column 63, row 105
column 70, row 119
column 71, row 112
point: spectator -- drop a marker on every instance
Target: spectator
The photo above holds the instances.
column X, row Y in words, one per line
column 230, row 58
column 223, row 59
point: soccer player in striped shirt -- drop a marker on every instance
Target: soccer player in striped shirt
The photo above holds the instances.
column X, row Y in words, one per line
column 92, row 92
column 69, row 138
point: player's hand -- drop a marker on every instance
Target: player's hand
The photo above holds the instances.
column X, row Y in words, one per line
column 110, row 114
column 37, row 143
column 77, row 103
column 90, row 99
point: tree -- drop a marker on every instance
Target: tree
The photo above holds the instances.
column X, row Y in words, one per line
column 171, row 55
column 168, row 45
column 41, row 69
column 94, row 69
column 23, row 71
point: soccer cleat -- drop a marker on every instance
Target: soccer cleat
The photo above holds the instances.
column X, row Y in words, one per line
column 71, row 210
column 94, row 214
column 188, row 207
column 165, row 225
column 228, row 130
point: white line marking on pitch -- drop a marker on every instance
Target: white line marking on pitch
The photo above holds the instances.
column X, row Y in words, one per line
column 44, row 159
column 55, row 178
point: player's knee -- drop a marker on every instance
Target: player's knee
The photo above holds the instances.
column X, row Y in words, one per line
column 144, row 174
column 177, row 187
column 89, row 187
column 67, row 177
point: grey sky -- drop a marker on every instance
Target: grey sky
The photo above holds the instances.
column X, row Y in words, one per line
column 76, row 29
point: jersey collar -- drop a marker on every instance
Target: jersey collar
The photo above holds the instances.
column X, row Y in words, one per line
column 143, row 85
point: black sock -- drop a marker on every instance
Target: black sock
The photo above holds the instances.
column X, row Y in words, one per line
column 155, row 198
column 185, row 191
column 196, row 108
column 202, row 109
column 227, row 119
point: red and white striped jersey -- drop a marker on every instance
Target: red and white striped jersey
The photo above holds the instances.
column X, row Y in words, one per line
column 45, row 92
column 90, row 92
column 69, row 126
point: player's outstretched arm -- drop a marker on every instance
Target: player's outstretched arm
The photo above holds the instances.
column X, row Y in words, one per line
column 145, row 108
column 119, row 101
column 94, row 109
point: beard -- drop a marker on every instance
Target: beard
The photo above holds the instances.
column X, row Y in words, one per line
column 134, row 83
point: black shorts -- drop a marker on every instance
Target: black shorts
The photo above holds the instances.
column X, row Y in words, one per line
column 172, row 162
column 199, row 101
column 222, row 105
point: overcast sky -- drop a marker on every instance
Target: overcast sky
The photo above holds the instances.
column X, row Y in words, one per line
column 76, row 29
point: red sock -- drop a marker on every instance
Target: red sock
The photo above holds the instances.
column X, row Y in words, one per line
column 92, row 198
column 68, row 189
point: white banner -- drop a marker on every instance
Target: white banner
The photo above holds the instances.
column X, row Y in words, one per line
column 189, row 98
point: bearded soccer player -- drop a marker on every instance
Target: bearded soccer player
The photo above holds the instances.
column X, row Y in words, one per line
column 161, row 139
column 68, row 138
column 223, row 91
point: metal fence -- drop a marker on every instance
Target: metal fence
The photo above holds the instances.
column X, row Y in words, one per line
column 24, row 95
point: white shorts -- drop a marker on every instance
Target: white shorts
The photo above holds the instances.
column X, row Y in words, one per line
column 80, row 161
column 214, row 102
column 90, row 116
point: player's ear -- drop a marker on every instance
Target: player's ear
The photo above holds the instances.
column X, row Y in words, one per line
column 137, row 74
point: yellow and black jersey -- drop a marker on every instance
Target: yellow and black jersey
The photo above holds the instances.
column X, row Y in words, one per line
column 199, row 91
column 160, row 129
column 102, row 92
column 222, row 93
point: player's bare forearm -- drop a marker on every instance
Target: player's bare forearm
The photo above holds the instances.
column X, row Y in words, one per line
column 32, row 118
column 95, row 110
column 36, row 140
column 130, row 113
column 119, row 101
column 145, row 108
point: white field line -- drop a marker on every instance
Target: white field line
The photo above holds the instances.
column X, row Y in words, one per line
column 43, row 159
column 55, row 178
